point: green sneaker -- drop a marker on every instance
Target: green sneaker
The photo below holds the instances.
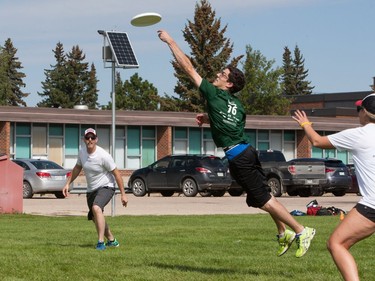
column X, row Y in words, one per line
column 113, row 243
column 304, row 241
column 285, row 242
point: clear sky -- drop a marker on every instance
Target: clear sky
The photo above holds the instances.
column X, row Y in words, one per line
column 336, row 37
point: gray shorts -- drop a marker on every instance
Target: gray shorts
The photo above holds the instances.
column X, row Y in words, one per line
column 99, row 197
column 366, row 211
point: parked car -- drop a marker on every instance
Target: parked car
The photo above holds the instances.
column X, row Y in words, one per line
column 42, row 177
column 338, row 178
column 188, row 174
column 354, row 187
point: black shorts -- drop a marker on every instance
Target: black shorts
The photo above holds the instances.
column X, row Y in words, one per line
column 366, row 211
column 246, row 169
column 99, row 197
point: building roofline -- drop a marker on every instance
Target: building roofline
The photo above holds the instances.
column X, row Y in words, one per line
column 160, row 118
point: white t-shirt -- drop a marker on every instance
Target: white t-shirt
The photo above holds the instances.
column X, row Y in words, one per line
column 361, row 142
column 98, row 168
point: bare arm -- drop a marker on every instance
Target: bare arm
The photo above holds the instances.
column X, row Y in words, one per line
column 75, row 172
column 315, row 139
column 120, row 184
column 180, row 57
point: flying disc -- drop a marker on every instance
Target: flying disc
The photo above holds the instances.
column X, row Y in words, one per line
column 145, row 19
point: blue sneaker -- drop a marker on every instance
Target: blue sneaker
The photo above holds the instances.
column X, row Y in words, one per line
column 113, row 243
column 100, row 246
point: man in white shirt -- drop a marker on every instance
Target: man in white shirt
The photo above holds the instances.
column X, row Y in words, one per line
column 101, row 174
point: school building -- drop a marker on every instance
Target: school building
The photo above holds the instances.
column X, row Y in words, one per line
column 142, row 137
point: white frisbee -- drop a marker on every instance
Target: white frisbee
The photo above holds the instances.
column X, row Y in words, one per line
column 145, row 19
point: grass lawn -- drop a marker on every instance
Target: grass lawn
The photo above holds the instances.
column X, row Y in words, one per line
column 209, row 247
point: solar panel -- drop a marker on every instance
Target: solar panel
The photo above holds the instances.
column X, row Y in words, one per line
column 122, row 49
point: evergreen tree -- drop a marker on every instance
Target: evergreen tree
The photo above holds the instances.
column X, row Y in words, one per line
column 303, row 86
column 295, row 75
column 210, row 52
column 69, row 82
column 288, row 73
column 262, row 94
column 11, row 79
column 135, row 94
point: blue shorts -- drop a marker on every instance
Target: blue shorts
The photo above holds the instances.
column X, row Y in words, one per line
column 246, row 169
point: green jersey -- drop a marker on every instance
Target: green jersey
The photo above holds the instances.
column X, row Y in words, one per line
column 226, row 113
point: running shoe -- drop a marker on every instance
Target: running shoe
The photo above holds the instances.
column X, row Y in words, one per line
column 100, row 246
column 285, row 241
column 304, row 240
column 113, row 243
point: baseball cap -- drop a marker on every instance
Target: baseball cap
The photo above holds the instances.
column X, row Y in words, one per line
column 90, row 131
column 367, row 103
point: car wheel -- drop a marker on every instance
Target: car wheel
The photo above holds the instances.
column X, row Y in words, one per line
column 59, row 195
column 167, row 193
column 138, row 188
column 339, row 192
column 205, row 193
column 218, row 193
column 275, row 186
column 189, row 187
column 305, row 192
column 235, row 192
column 27, row 190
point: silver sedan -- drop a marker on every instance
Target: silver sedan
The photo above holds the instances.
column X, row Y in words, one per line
column 42, row 176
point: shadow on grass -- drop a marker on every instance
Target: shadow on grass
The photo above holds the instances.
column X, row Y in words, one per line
column 204, row 270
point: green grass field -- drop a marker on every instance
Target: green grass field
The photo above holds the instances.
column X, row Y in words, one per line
column 212, row 247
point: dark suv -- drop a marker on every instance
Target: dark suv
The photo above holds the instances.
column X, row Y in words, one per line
column 188, row 174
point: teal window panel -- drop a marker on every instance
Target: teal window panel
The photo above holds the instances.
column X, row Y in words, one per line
column 207, row 134
column 56, row 130
column 72, row 137
column 343, row 156
column 252, row 136
column 317, row 152
column 263, row 146
column 23, row 129
column 148, row 132
column 195, row 135
column 289, row 135
column 134, row 142
column 263, row 135
column 23, row 147
column 148, row 152
column 180, row 133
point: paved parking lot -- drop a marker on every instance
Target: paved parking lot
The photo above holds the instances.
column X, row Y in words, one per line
column 176, row 205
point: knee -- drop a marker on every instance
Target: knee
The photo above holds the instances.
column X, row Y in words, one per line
column 96, row 209
column 331, row 245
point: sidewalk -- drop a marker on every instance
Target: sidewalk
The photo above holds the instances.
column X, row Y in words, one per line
column 75, row 205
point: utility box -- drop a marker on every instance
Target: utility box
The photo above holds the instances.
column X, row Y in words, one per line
column 11, row 186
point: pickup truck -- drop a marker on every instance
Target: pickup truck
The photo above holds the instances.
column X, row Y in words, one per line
column 291, row 177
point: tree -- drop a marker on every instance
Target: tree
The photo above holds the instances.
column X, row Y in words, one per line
column 11, row 79
column 210, row 52
column 135, row 94
column 262, row 94
column 295, row 75
column 69, row 82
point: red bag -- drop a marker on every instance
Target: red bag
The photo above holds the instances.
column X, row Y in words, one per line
column 312, row 210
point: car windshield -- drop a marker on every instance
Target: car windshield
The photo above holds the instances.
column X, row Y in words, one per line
column 45, row 165
column 212, row 162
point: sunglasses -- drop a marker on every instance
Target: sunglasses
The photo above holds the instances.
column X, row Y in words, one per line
column 359, row 108
column 90, row 137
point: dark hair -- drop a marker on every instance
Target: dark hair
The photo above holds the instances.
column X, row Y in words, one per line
column 237, row 77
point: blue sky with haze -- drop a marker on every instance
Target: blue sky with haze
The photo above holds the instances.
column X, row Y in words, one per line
column 335, row 37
